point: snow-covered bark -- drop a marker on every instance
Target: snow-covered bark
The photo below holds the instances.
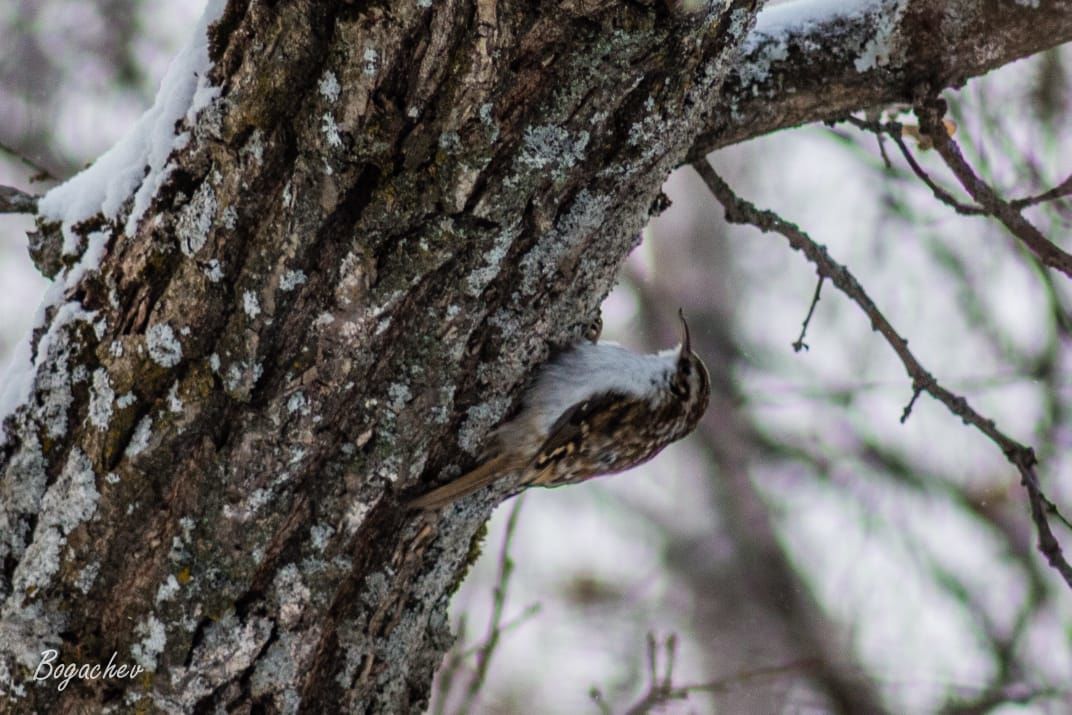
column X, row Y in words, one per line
column 314, row 277
column 311, row 281
column 817, row 60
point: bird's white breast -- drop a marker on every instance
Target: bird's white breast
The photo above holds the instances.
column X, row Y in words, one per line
column 590, row 369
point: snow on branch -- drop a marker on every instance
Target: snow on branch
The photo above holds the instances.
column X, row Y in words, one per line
column 819, row 60
column 138, row 164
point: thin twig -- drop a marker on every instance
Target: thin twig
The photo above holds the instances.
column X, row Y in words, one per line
column 16, row 201
column 916, row 392
column 1019, row 455
column 42, row 174
column 449, row 670
column 895, row 130
column 799, row 344
column 531, row 610
column 1058, row 192
column 930, row 113
column 660, row 688
column 495, row 624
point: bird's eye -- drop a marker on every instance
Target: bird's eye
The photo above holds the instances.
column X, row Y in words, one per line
column 679, row 387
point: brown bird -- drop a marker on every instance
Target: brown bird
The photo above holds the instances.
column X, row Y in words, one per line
column 595, row 409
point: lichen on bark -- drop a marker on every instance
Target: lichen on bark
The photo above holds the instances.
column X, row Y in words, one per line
column 382, row 218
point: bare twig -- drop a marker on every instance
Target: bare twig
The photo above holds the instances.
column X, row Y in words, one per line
column 916, row 392
column 485, row 651
column 895, row 130
column 661, row 689
column 799, row 343
column 1019, row 455
column 1058, row 192
column 41, row 173
column 449, row 671
column 930, row 113
column 15, row 201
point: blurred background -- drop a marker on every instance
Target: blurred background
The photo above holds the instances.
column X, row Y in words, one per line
column 803, row 551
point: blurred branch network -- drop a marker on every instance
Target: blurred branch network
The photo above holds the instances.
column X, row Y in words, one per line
column 808, row 552
column 855, row 563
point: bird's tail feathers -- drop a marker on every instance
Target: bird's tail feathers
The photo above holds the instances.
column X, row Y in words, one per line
column 468, row 483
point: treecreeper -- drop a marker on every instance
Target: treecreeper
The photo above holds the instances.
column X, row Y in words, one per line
column 594, row 409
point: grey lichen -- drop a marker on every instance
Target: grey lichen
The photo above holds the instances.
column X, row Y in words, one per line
column 195, row 220
column 101, row 399
column 71, row 500
column 164, row 348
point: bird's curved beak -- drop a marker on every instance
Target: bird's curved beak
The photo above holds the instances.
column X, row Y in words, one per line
column 686, row 342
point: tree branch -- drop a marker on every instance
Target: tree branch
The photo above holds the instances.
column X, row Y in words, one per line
column 823, row 69
column 1019, row 455
column 930, row 115
column 16, row 201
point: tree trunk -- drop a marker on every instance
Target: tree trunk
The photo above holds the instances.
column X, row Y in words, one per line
column 385, row 217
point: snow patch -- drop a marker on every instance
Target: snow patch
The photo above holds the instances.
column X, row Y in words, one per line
column 879, row 49
column 121, row 171
column 769, row 40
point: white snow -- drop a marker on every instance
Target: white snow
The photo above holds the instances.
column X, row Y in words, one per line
column 104, row 187
column 792, row 17
column 120, row 172
column 879, row 48
column 776, row 24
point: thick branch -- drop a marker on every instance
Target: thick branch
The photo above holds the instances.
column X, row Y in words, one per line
column 792, row 74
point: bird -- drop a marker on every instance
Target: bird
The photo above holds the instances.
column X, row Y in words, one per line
column 594, row 409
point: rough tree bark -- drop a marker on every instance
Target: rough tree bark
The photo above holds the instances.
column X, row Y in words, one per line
column 388, row 215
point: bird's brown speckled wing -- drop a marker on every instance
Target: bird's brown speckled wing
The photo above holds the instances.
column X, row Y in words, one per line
column 571, row 429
